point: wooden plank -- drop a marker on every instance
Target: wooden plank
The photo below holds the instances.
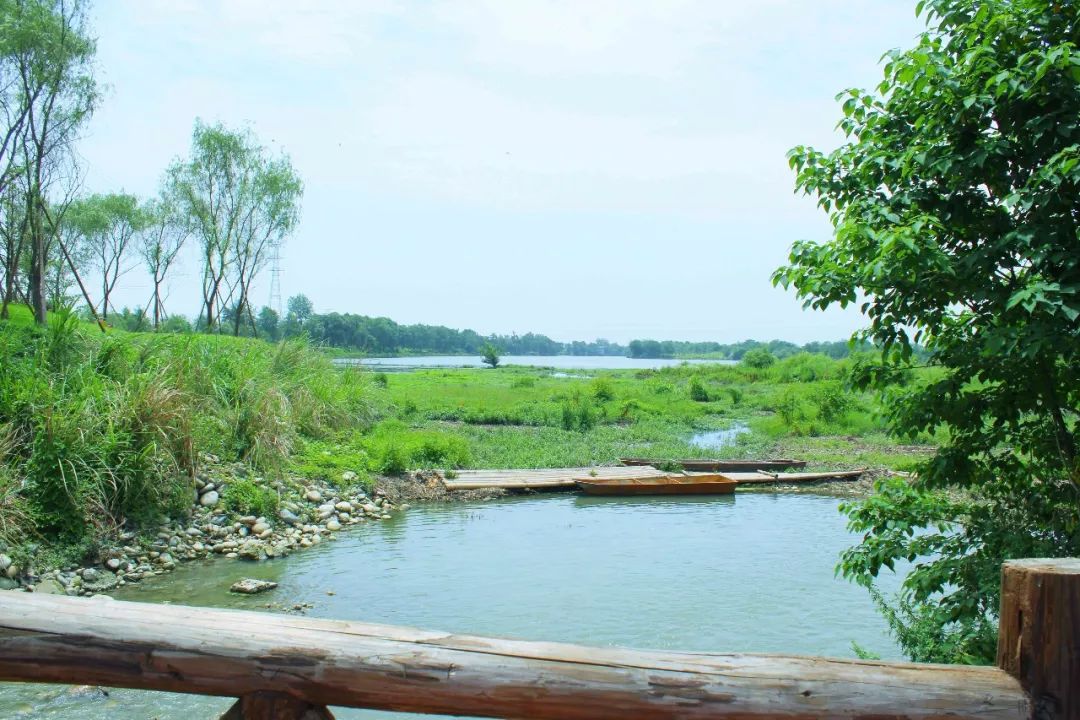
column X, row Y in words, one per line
column 1039, row 637
column 539, row 479
column 752, row 478
column 49, row 638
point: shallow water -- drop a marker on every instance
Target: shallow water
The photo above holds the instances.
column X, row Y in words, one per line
column 716, row 439
column 751, row 572
column 563, row 362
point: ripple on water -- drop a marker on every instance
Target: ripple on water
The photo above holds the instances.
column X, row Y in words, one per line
column 748, row 572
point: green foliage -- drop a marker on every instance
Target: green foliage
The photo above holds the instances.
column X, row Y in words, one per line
column 578, row 413
column 394, row 448
column 758, row 358
column 381, row 379
column 602, row 389
column 490, row 355
column 698, row 393
column 99, row 431
column 953, row 206
column 244, row 496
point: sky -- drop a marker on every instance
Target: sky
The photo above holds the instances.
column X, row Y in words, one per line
column 578, row 168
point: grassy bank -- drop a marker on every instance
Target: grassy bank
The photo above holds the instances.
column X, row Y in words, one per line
column 517, row 417
column 104, row 432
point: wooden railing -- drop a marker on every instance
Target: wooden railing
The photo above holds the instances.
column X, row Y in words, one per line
column 289, row 667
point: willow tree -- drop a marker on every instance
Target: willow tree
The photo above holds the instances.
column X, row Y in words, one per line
column 49, row 54
column 242, row 204
column 159, row 245
column 955, row 206
column 108, row 227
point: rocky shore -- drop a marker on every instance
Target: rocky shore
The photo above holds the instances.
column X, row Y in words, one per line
column 308, row 513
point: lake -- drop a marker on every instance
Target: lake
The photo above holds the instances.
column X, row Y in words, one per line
column 750, row 572
column 561, row 362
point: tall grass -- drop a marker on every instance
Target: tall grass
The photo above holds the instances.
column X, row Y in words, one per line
column 102, row 431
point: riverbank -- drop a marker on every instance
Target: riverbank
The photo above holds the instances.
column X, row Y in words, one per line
column 124, row 454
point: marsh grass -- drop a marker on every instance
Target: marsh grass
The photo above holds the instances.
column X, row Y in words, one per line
column 103, row 431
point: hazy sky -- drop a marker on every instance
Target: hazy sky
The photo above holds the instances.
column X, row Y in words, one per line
column 580, row 168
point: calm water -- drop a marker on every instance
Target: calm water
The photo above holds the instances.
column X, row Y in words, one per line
column 564, row 362
column 717, row 439
column 752, row 572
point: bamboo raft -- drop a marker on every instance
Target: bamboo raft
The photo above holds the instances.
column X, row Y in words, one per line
column 564, row 478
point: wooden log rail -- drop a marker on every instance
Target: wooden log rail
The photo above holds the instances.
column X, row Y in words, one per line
column 289, row 667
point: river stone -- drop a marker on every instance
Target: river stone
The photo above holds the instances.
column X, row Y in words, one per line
column 259, row 528
column 251, row 586
column 210, row 499
column 113, row 564
column 101, row 583
column 313, row 496
column 343, row 506
column 252, row 550
column 7, row 583
column 333, row 526
column 348, row 476
column 5, row 561
column 344, row 517
column 90, row 575
column 288, row 516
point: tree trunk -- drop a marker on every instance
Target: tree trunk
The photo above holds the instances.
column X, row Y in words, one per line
column 37, row 267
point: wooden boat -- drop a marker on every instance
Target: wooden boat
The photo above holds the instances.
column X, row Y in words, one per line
column 708, row 465
column 714, row 484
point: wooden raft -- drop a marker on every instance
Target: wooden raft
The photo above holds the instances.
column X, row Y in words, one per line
column 291, row 668
column 542, row 479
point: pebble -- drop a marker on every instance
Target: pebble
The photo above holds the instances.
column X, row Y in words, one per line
column 333, row 526
column 348, row 476
column 288, row 516
column 343, row 506
column 209, row 499
column 113, row 564
column 313, row 496
column 5, row 562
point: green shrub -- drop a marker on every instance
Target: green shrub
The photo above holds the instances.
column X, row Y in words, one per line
column 247, row 497
column 523, row 382
column 381, row 379
column 758, row 358
column 602, row 389
column 698, row 393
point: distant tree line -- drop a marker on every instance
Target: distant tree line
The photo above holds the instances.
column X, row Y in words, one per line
column 734, row 351
column 382, row 336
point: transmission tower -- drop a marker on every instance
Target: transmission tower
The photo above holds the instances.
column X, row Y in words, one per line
column 275, row 282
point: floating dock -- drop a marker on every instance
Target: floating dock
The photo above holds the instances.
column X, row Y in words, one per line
column 563, row 478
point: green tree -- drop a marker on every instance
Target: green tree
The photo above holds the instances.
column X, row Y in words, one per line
column 242, row 204
column 300, row 308
column 758, row 358
column 163, row 236
column 46, row 71
column 268, row 322
column 955, row 206
column 108, row 226
column 490, row 355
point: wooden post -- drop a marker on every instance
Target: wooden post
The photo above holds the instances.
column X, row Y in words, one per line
column 275, row 706
column 1039, row 637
